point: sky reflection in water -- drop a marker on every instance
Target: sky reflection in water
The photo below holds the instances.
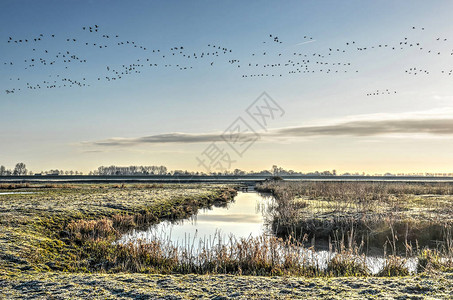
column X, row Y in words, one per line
column 242, row 218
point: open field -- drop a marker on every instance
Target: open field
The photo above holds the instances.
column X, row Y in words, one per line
column 58, row 242
column 53, row 285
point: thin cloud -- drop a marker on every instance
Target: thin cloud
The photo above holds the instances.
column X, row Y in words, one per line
column 434, row 126
column 161, row 139
column 372, row 128
column 306, row 42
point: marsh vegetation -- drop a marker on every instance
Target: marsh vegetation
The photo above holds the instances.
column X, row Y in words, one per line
column 77, row 228
column 395, row 220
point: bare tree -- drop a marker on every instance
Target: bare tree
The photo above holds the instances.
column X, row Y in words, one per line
column 20, row 169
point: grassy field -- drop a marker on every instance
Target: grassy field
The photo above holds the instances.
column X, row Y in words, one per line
column 51, row 285
column 71, row 227
column 58, row 243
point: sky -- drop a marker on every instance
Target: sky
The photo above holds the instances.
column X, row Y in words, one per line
column 320, row 63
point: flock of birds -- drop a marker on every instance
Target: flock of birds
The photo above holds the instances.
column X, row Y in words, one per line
column 65, row 68
column 378, row 92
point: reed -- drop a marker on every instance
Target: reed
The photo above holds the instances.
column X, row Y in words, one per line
column 404, row 212
column 91, row 230
column 263, row 255
column 394, row 266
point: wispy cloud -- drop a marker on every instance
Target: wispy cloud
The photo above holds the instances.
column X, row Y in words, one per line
column 372, row 128
column 432, row 123
column 306, row 42
column 92, row 151
column 161, row 139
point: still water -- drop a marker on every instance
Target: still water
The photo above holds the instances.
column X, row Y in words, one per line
column 16, row 193
column 243, row 218
column 246, row 217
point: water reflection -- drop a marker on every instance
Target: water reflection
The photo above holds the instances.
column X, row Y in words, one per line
column 243, row 218
column 16, row 193
column 246, row 217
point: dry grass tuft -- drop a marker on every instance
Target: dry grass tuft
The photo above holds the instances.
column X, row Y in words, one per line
column 91, row 230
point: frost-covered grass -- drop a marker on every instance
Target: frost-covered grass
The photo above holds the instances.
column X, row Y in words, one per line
column 35, row 229
column 51, row 285
column 59, row 243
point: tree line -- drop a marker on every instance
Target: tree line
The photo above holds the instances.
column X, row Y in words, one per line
column 21, row 169
column 131, row 170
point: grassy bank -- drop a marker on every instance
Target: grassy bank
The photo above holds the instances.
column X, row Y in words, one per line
column 72, row 227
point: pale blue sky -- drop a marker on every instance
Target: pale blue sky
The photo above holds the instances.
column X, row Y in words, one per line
column 57, row 128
